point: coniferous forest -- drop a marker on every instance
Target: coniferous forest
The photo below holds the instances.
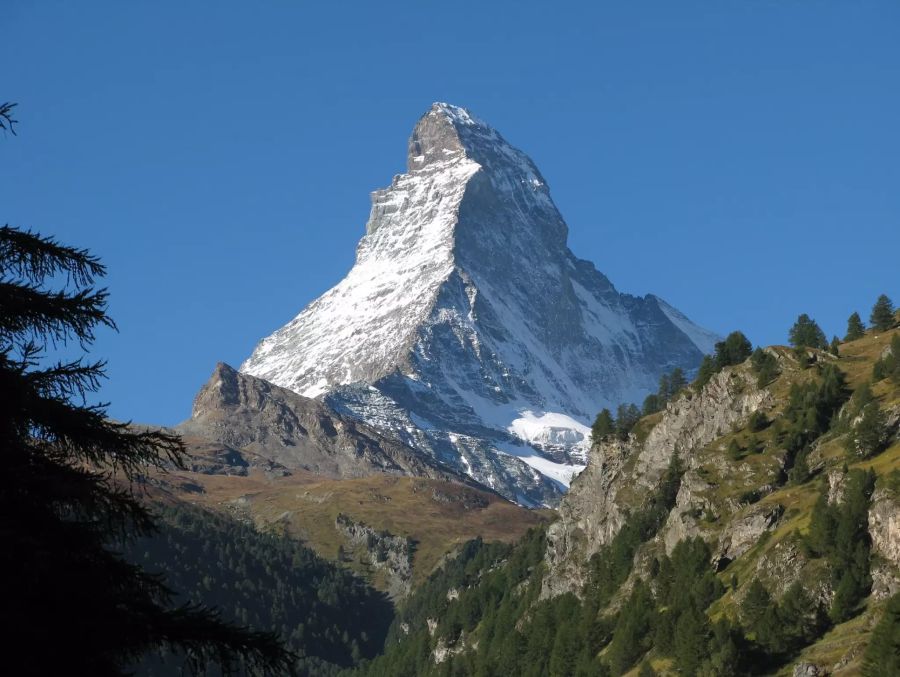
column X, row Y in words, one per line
column 328, row 617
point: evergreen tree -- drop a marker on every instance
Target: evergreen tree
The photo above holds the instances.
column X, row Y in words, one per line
column 806, row 333
column 652, row 404
column 855, row 328
column 882, row 317
column 706, row 371
column 849, row 555
column 758, row 421
column 724, row 654
column 734, row 451
column 756, row 604
column 835, row 346
column 68, row 496
column 627, row 415
column 632, row 631
column 882, row 657
column 7, row 123
column 691, row 637
column 733, row 350
column 665, row 389
column 888, row 366
column 820, row 538
column 870, row 434
column 862, row 397
column 799, row 619
column 677, row 382
column 765, row 365
column 604, row 426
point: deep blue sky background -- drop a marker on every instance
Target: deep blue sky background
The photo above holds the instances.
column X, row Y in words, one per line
column 740, row 159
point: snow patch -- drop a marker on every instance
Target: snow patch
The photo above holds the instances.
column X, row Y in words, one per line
column 561, row 473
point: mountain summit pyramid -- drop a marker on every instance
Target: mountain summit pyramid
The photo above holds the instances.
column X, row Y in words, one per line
column 467, row 327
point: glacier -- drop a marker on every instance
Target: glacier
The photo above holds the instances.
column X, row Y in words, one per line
column 467, row 328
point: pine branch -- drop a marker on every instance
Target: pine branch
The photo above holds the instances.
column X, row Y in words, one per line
column 7, row 123
column 66, row 380
column 27, row 255
column 85, row 434
column 28, row 312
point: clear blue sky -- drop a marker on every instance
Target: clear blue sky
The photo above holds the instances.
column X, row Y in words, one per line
column 740, row 159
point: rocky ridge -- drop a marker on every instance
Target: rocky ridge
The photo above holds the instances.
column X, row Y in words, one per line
column 239, row 421
column 621, row 474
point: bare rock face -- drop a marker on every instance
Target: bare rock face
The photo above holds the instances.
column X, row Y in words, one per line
column 589, row 517
column 621, row 475
column 782, row 566
column 837, row 478
column 743, row 531
column 684, row 518
column 245, row 421
column 808, row 670
column 884, row 525
column 385, row 552
column 885, row 580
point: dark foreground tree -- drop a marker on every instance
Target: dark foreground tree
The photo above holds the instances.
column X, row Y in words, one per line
column 72, row 606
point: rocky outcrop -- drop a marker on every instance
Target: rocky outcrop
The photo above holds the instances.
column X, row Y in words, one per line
column 444, row 649
column 808, row 670
column 384, row 552
column 239, row 421
column 620, row 476
column 884, row 528
column 743, row 531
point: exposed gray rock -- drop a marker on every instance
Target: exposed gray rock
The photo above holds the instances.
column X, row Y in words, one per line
column 743, row 531
column 240, row 421
column 885, row 579
column 444, row 649
column 837, row 478
column 884, row 525
column 385, row 551
column 784, row 564
column 621, row 474
column 683, row 521
column 808, row 670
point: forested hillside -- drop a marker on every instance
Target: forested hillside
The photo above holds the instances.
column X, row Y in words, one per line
column 750, row 524
column 326, row 615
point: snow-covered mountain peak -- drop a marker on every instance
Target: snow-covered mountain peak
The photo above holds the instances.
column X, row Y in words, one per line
column 467, row 326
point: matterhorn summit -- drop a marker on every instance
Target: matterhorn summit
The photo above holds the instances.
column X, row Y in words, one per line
column 468, row 330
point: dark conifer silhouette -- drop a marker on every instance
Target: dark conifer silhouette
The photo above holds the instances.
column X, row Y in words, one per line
column 74, row 606
column 855, row 328
column 882, row 317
